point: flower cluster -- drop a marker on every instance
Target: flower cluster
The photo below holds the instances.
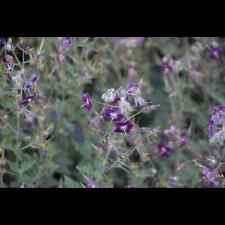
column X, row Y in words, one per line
column 122, row 106
column 216, row 127
column 191, row 62
column 119, row 105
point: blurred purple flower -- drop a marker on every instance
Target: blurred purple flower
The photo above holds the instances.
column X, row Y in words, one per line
column 172, row 182
column 133, row 89
column 164, row 151
column 217, row 121
column 113, row 113
column 174, row 134
column 29, row 84
column 216, row 52
column 125, row 126
column 167, row 68
column 67, row 42
column 9, row 67
column 90, row 183
column 87, row 102
column 27, row 99
column 9, row 63
column 211, row 176
column 183, row 140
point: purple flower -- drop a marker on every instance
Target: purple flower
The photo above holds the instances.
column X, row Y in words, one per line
column 167, row 68
column 27, row 99
column 183, row 140
column 133, row 89
column 34, row 78
column 217, row 121
column 124, row 126
column 172, row 182
column 28, row 85
column 67, row 42
column 211, row 176
column 90, row 183
column 216, row 52
column 9, row 67
column 164, row 151
column 113, row 113
column 87, row 102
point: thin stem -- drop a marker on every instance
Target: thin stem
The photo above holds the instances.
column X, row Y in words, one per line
column 41, row 45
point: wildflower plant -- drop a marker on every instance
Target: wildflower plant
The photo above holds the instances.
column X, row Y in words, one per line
column 112, row 112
